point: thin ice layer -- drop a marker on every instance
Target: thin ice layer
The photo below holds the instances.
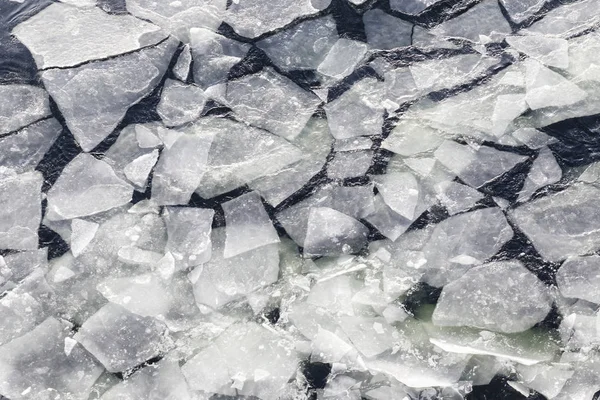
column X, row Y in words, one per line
column 21, row 105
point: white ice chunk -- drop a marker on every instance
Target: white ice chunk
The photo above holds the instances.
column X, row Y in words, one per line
column 181, row 69
column 146, row 138
column 326, row 346
column 248, row 225
column 553, row 52
column 562, row 224
column 252, row 18
column 579, row 277
column 21, row 105
column 501, row 296
column 342, row 58
column 331, row 232
column 507, row 108
column 347, row 164
column 94, row 33
column 409, row 138
column 86, row 186
column 108, row 336
column 567, row 20
column 21, row 211
column 240, row 154
column 117, row 83
column 138, row 170
column 547, row 379
column 546, row 88
column 371, row 336
column 303, row 46
column 213, row 56
column 222, row 280
column 412, row 7
column 177, row 17
column 456, row 197
column 400, row 191
column 180, row 167
column 265, row 360
column 180, row 103
column 82, row 233
column 388, row 223
column 22, row 151
column 544, row 171
column 357, row 112
column 189, row 231
column 520, row 10
column 476, row 167
column 272, row 102
column 533, row 138
column 20, row 313
column 386, row 32
column 485, row 18
column 591, row 173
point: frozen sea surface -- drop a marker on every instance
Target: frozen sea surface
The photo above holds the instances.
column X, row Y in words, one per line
column 299, row 199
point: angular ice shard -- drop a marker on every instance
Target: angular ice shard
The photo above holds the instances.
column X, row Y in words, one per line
column 547, row 379
column 303, row 46
column 21, row 212
column 188, row 231
column 412, row 7
column 248, row 225
column 86, row 186
column 501, row 296
column 240, row 154
column 180, row 167
column 161, row 381
column 117, row 84
column 252, row 18
column 315, row 143
column 272, row 102
column 507, row 108
column 94, row 33
column 347, row 164
column 544, row 171
column 180, row 103
column 371, row 336
column 409, row 138
column 222, row 280
column 579, row 277
column 82, row 233
column 463, row 241
column 386, row 32
column 400, row 191
column 357, row 112
column 213, row 56
column 432, row 75
column 177, row 17
column 567, row 20
column 35, row 365
column 22, row 151
column 520, row 10
column 476, row 167
column 138, row 170
column 533, row 138
column 389, row 223
column 331, row 232
column 257, row 360
column 456, row 197
column 21, row 105
column 121, row 340
column 399, row 85
column 181, row 69
column 553, row 52
column 342, row 58
column 546, row 88
column 562, row 224
column 484, row 18
column 21, row 313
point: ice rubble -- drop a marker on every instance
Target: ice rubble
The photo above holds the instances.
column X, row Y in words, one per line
column 385, row 198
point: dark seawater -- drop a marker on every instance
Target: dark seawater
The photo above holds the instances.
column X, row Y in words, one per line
column 579, row 144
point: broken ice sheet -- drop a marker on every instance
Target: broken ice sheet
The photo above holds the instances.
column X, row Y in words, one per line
column 385, row 32
column 118, row 83
column 546, row 88
column 553, row 52
column 86, row 186
column 188, row 231
column 303, row 46
column 252, row 18
column 94, row 33
column 520, row 10
column 253, row 361
column 330, row 232
column 409, row 137
column 579, row 277
column 272, row 102
column 35, row 365
column 568, row 20
column 350, row 51
column 21, row 105
column 544, row 171
column 180, row 103
column 121, row 340
column 490, row 297
column 348, row 164
column 248, row 225
column 456, row 197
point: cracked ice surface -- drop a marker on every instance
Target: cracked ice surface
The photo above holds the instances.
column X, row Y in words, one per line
column 299, row 199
